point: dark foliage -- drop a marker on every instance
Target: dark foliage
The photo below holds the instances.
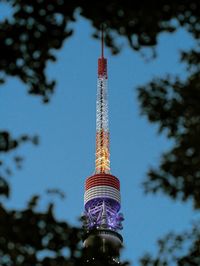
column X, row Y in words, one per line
column 29, row 237
column 174, row 105
column 181, row 250
column 28, row 39
column 7, row 144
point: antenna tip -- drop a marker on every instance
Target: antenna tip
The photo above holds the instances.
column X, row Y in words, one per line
column 102, row 41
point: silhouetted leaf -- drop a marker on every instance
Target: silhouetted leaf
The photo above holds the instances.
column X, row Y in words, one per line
column 4, row 187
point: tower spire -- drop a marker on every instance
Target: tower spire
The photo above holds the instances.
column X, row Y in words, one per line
column 102, row 162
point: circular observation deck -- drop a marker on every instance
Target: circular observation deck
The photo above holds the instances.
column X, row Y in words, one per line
column 102, row 186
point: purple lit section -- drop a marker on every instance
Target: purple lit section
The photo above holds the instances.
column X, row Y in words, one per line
column 103, row 213
column 99, row 201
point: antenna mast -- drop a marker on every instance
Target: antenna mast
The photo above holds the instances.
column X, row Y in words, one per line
column 102, row 162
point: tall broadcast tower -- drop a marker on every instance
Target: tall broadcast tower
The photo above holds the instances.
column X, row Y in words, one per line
column 102, row 219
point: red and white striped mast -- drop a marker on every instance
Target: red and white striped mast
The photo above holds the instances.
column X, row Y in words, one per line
column 102, row 162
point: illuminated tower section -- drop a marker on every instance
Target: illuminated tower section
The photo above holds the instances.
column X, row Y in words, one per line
column 102, row 190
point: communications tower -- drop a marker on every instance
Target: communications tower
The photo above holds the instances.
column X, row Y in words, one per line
column 102, row 219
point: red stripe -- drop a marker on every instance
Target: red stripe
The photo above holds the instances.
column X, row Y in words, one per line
column 102, row 180
column 102, row 184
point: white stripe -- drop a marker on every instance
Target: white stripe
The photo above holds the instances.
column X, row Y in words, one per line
column 102, row 191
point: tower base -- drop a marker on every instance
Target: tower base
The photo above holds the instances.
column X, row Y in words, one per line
column 102, row 244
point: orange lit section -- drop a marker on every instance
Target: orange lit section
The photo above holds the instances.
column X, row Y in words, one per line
column 102, row 152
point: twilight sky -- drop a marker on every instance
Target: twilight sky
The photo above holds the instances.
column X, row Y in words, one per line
column 66, row 126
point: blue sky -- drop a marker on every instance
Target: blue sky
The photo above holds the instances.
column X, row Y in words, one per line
column 66, row 126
